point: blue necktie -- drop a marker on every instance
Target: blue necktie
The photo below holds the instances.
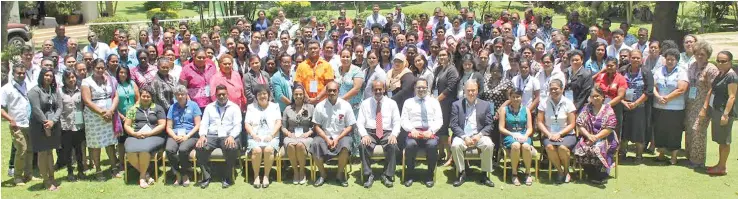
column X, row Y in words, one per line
column 423, row 114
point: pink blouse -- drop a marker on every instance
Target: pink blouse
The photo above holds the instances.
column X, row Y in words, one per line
column 234, row 86
column 198, row 86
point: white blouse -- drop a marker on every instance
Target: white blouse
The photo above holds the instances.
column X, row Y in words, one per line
column 556, row 113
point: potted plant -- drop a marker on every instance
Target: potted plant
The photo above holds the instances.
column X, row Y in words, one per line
column 74, row 18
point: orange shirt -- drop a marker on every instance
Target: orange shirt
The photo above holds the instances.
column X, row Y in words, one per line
column 321, row 72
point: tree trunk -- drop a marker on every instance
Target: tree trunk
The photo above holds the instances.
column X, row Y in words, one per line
column 457, row 5
column 109, row 8
column 7, row 5
column 665, row 14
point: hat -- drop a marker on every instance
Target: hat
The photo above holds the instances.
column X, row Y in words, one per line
column 400, row 56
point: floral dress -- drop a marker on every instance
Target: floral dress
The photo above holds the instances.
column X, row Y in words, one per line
column 700, row 81
column 600, row 154
column 495, row 91
column 98, row 132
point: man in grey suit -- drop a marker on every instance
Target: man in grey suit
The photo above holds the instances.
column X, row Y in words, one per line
column 471, row 122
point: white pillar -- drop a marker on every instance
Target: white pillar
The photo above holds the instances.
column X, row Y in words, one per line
column 14, row 14
column 89, row 10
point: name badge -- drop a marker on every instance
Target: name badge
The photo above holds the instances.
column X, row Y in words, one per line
column 630, row 94
column 435, row 92
column 145, row 128
column 468, row 130
column 313, row 86
column 181, row 132
column 298, row 131
column 78, row 118
column 607, row 100
column 692, row 92
column 569, row 94
column 555, row 127
column 207, row 91
column 389, row 93
column 712, row 98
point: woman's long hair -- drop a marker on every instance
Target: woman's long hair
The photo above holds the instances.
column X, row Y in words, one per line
column 40, row 79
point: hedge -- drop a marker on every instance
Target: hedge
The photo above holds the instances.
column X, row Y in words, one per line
column 105, row 32
column 169, row 14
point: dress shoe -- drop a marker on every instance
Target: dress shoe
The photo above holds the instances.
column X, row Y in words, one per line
column 319, row 182
column 386, row 181
column 429, row 184
column 486, row 181
column 226, row 184
column 204, row 183
column 460, row 181
column 408, row 182
column 342, row 182
column 369, row 181
column 71, row 178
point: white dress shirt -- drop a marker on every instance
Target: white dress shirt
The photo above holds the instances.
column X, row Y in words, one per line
column 368, row 116
column 412, row 117
column 333, row 118
column 31, row 76
column 16, row 102
column 381, row 20
column 377, row 75
column 544, row 80
column 223, row 121
column 529, row 85
column 101, row 51
column 612, row 51
column 556, row 113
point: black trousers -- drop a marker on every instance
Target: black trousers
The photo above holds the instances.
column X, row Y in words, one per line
column 178, row 154
column 72, row 143
column 390, row 153
column 230, row 155
column 431, row 151
column 594, row 172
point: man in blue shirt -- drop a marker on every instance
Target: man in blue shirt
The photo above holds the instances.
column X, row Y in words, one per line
column 60, row 41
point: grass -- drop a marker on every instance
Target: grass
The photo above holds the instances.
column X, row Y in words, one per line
column 135, row 11
column 652, row 180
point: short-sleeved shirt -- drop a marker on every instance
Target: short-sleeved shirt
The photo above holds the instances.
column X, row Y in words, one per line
column 719, row 97
column 72, row 106
column 321, row 72
column 346, row 82
column 143, row 79
column 610, row 85
column 145, row 116
column 666, row 82
column 126, row 96
column 183, row 117
column 529, row 86
column 291, row 120
column 556, row 113
column 14, row 98
column 333, row 118
column 262, row 120
column 197, row 82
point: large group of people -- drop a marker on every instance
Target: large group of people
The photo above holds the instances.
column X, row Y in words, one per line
column 435, row 86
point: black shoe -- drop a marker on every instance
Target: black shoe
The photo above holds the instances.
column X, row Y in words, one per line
column 319, row 182
column 342, row 182
column 226, row 184
column 486, row 181
column 204, row 183
column 429, row 184
column 408, row 182
column 560, row 179
column 71, row 178
column 369, row 181
column 386, row 181
column 460, row 180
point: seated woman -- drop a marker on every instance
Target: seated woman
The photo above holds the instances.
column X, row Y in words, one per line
column 556, row 122
column 598, row 143
column 144, row 123
column 262, row 122
column 517, row 128
column 298, row 132
column 183, row 123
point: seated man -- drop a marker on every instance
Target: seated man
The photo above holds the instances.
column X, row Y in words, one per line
column 333, row 119
column 220, row 128
column 471, row 122
column 379, row 123
column 421, row 118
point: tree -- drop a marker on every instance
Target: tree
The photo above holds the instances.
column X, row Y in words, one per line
column 7, row 5
column 665, row 14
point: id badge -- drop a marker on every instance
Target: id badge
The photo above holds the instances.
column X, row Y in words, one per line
column 712, row 98
column 569, row 94
column 207, row 91
column 435, row 92
column 181, row 132
column 607, row 100
column 145, row 128
column 313, row 86
column 630, row 94
column 298, row 132
column 692, row 92
column 389, row 93
column 468, row 130
column 78, row 118
column 555, row 127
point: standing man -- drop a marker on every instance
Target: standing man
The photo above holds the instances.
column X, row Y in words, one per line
column 60, row 41
column 588, row 46
column 16, row 110
column 470, row 21
column 46, row 50
column 314, row 73
column 379, row 124
column 399, row 17
column 576, row 27
column 220, row 128
column 333, row 119
column 618, row 43
column 629, row 39
column 485, row 33
column 375, row 18
column 643, row 43
column 471, row 122
column 421, row 118
column 98, row 49
column 546, row 32
column 127, row 56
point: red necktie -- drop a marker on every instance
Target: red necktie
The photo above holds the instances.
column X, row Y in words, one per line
column 380, row 131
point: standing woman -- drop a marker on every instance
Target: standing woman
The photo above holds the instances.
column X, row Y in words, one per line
column 385, row 58
column 231, row 80
column 635, row 117
column 72, row 124
column 144, row 123
column 614, row 85
column 517, row 126
column 183, row 123
column 687, row 57
column 253, row 78
column 528, row 84
column 468, row 65
column 670, row 83
column 598, row 142
column 444, row 89
column 262, row 123
column 240, row 57
column 420, row 68
column 162, row 87
column 556, row 120
column 282, row 82
column 261, row 23
column 400, row 80
column 579, row 79
column 128, row 94
column 723, row 89
column 654, row 56
column 298, row 132
column 597, row 62
column 101, row 102
column 196, row 77
column 350, row 80
column 45, row 131
column 701, row 75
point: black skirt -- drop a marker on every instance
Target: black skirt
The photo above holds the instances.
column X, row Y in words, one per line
column 635, row 123
column 668, row 128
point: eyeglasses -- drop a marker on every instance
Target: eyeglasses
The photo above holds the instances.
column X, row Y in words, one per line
column 331, row 90
column 722, row 61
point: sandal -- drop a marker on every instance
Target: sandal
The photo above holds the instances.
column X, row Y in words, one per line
column 529, row 180
column 143, row 184
column 568, row 178
column 716, row 171
column 515, row 180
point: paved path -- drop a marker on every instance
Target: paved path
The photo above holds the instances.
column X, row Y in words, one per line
column 722, row 41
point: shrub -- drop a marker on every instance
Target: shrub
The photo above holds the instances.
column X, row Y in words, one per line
column 170, row 5
column 105, row 32
column 321, row 16
column 169, row 14
column 541, row 12
column 293, row 8
column 586, row 14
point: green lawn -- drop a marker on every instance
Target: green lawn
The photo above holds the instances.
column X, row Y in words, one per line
column 651, row 180
column 135, row 11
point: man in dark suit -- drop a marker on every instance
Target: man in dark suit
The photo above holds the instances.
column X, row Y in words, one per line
column 471, row 122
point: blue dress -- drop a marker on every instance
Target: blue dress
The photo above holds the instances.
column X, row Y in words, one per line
column 515, row 123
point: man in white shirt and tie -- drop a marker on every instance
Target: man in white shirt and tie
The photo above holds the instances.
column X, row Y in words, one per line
column 220, row 128
column 421, row 118
column 471, row 122
column 334, row 120
column 378, row 124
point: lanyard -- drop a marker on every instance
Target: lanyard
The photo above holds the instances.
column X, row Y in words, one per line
column 24, row 94
column 146, row 114
column 223, row 113
column 522, row 84
column 468, row 110
column 556, row 109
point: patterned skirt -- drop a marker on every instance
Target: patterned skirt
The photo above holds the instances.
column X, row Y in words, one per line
column 98, row 132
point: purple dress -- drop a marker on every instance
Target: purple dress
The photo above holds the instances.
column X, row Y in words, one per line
column 601, row 154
